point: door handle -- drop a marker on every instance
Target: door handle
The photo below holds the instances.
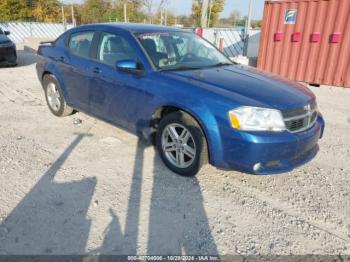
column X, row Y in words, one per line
column 97, row 70
column 60, row 59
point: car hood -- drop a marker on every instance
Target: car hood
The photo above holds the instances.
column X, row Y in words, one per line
column 4, row 38
column 256, row 85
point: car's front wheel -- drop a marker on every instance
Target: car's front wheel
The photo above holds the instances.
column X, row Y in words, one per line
column 54, row 97
column 182, row 144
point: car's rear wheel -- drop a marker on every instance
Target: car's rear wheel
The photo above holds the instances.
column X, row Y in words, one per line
column 54, row 97
column 182, row 144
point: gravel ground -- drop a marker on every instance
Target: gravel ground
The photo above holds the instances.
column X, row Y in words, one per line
column 77, row 185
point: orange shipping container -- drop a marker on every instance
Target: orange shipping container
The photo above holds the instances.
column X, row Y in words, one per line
column 307, row 40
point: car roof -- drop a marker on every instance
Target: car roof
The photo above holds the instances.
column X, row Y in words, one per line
column 132, row 27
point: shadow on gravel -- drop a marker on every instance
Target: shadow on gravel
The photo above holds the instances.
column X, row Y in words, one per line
column 115, row 242
column 177, row 223
column 52, row 215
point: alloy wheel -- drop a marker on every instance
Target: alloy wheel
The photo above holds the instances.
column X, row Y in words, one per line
column 178, row 145
column 53, row 96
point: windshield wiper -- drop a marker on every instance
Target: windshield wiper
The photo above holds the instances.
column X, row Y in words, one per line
column 180, row 68
column 221, row 64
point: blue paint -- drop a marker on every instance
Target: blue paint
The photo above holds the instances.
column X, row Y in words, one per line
column 129, row 99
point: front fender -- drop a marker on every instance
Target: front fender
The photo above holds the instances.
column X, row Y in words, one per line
column 208, row 121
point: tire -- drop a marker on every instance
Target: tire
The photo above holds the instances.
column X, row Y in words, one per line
column 59, row 107
column 13, row 61
column 171, row 151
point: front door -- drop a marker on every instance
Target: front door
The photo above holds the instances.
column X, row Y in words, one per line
column 116, row 96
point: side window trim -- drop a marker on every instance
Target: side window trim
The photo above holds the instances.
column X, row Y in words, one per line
column 94, row 45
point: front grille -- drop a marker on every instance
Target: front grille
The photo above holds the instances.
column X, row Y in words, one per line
column 300, row 119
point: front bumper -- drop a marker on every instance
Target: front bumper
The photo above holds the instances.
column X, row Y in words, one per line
column 264, row 153
column 8, row 55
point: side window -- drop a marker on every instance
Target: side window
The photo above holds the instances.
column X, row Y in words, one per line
column 113, row 48
column 80, row 43
column 158, row 48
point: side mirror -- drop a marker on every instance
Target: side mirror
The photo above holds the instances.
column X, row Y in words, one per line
column 129, row 66
column 7, row 32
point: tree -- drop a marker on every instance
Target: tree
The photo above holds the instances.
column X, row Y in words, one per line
column 256, row 23
column 47, row 11
column 234, row 17
column 215, row 8
column 68, row 13
column 134, row 12
column 186, row 21
column 230, row 21
column 197, row 12
column 148, row 5
column 95, row 11
column 24, row 10
column 14, row 10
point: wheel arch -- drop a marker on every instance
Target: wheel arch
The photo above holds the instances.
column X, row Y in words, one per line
column 51, row 70
column 46, row 72
column 164, row 110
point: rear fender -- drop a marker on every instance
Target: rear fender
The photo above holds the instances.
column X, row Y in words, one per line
column 52, row 69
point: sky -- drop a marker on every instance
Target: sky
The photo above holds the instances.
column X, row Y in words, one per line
column 181, row 7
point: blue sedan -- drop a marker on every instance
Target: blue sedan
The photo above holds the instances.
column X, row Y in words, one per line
column 178, row 91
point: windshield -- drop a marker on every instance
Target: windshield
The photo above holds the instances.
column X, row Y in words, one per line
column 181, row 51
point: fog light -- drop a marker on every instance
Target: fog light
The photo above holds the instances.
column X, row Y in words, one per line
column 257, row 167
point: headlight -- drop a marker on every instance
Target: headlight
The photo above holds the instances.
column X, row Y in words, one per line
column 256, row 119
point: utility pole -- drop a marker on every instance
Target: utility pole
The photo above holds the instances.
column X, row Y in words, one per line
column 247, row 28
column 166, row 16
column 210, row 10
column 125, row 13
column 73, row 16
column 249, row 19
column 63, row 18
column 204, row 19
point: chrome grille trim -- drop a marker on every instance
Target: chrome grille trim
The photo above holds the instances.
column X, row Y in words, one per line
column 300, row 119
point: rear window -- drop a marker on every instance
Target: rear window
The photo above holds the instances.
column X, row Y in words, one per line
column 80, row 43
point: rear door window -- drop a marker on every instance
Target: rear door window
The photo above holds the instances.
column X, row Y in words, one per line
column 80, row 43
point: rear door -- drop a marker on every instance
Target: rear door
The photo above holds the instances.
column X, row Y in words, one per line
column 79, row 75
